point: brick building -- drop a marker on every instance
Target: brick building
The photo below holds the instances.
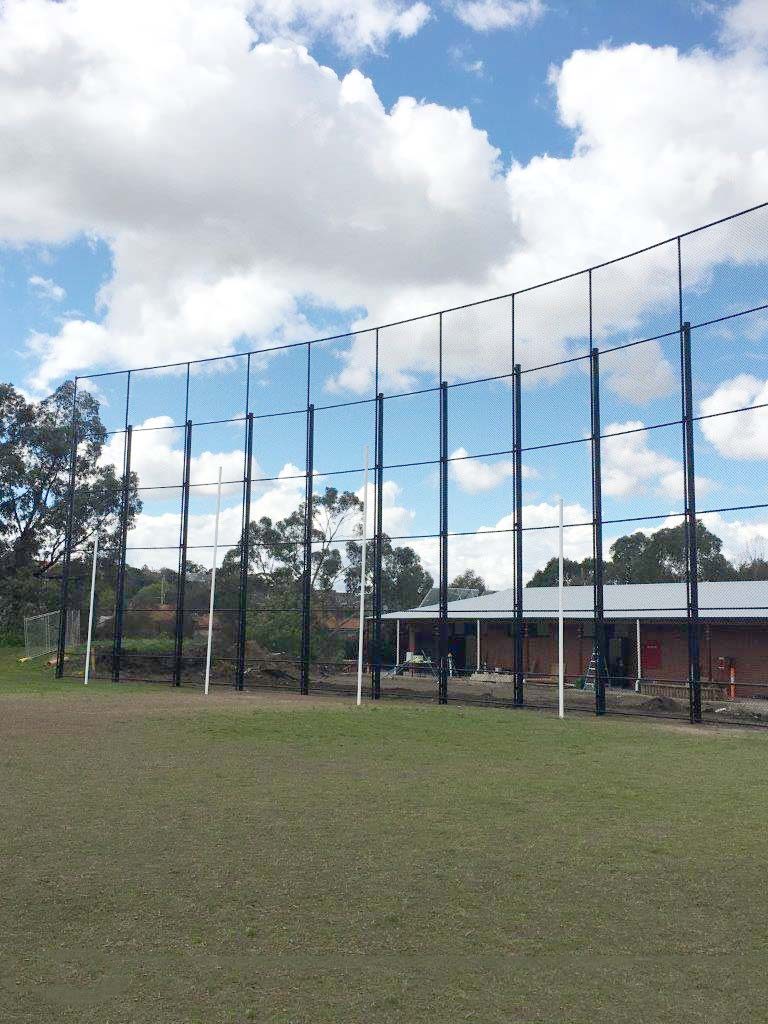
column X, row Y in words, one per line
column 646, row 627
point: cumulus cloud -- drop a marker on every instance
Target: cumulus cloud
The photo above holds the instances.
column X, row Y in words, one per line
column 740, row 435
column 353, row 25
column 487, row 15
column 679, row 133
column 491, row 554
column 742, row 538
column 641, row 374
column 397, row 518
column 631, row 466
column 158, row 460
column 154, row 537
column 203, row 229
column 219, row 237
column 475, row 476
column 745, row 24
column 45, row 288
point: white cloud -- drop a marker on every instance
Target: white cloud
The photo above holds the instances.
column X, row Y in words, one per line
column 158, row 459
column 45, row 288
column 154, row 537
column 639, row 374
column 741, row 539
column 745, row 24
column 183, row 141
column 632, row 467
column 460, row 56
column 275, row 500
column 491, row 554
column 352, row 24
column 202, row 227
column 475, row 476
column 700, row 116
column 741, row 435
column 397, row 519
column 487, row 15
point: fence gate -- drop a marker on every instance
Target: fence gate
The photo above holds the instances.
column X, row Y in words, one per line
column 41, row 632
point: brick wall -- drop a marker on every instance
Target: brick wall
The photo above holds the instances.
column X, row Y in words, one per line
column 745, row 643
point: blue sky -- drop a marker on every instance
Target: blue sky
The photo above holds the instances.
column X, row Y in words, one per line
column 508, row 94
column 501, row 77
column 198, row 184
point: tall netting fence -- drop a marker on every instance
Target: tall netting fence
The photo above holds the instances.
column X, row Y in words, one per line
column 396, row 499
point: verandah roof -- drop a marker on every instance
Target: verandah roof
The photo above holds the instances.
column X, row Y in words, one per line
column 743, row 599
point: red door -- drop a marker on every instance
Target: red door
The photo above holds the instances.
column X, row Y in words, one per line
column 651, row 656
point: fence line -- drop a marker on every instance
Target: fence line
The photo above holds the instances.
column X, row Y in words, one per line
column 570, row 340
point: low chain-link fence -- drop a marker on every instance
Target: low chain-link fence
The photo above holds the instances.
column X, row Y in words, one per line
column 636, row 392
column 41, row 632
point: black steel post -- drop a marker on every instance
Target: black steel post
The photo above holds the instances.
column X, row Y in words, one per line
column 306, row 580
column 64, row 594
column 517, row 526
column 377, row 552
column 181, row 579
column 597, row 537
column 692, row 559
column 117, row 636
column 245, row 555
column 442, row 634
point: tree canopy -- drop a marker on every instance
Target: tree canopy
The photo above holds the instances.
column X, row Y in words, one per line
column 470, row 579
column 404, row 580
column 657, row 557
column 35, row 444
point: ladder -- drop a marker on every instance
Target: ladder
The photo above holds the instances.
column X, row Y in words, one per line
column 590, row 676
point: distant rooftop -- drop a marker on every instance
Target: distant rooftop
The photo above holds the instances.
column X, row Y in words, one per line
column 432, row 597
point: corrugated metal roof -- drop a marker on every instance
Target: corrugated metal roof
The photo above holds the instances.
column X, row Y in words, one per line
column 743, row 599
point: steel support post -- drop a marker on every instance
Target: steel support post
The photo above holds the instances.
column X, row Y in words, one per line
column 245, row 555
column 599, row 649
column 181, row 578
column 377, row 552
column 691, row 545
column 306, row 579
column 64, row 594
column 117, row 637
column 443, row 640
column 517, row 526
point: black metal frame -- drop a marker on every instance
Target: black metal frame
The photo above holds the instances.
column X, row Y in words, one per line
column 378, row 530
column 181, row 578
column 245, row 555
column 691, row 540
column 306, row 581
column 64, row 596
column 441, row 387
column 599, row 650
column 117, row 638
column 517, row 527
column 443, row 639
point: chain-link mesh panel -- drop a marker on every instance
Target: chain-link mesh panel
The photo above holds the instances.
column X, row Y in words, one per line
column 477, row 341
column 653, row 436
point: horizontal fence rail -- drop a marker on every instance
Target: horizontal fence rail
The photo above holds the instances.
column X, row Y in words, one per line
column 636, row 391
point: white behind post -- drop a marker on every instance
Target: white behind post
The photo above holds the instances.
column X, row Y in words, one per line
column 561, row 652
column 213, row 586
column 90, row 612
column 362, row 581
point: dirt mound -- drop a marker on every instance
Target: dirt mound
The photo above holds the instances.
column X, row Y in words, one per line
column 662, row 704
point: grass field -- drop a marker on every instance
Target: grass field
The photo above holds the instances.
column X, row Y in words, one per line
column 168, row 859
